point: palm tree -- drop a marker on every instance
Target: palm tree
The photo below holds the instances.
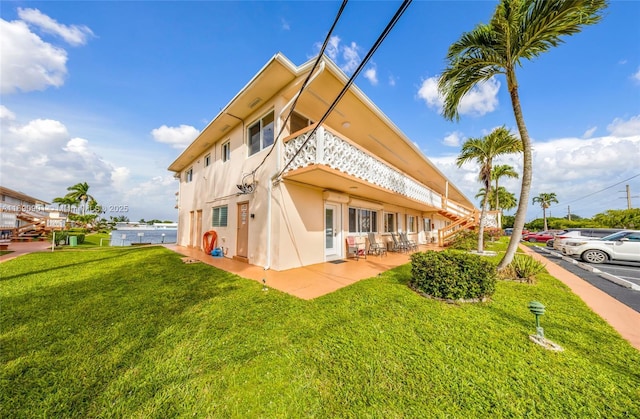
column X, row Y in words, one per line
column 65, row 202
column 500, row 171
column 80, row 193
column 483, row 150
column 519, row 30
column 507, row 199
column 545, row 200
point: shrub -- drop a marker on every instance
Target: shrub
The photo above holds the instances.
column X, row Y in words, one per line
column 452, row 275
column 468, row 239
column 523, row 268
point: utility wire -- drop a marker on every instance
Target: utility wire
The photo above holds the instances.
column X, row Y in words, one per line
column 403, row 7
column 304, row 85
column 602, row 190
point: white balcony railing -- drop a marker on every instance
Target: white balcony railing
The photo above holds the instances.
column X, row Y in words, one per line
column 328, row 149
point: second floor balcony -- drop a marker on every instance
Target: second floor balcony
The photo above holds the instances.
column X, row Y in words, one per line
column 328, row 160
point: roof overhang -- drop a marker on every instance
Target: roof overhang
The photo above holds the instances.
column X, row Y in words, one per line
column 277, row 74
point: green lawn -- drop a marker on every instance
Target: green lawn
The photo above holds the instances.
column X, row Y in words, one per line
column 137, row 333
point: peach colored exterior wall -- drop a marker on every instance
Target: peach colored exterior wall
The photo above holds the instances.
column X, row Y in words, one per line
column 296, row 223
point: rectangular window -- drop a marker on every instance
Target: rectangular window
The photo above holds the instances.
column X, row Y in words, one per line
column 219, row 217
column 226, row 151
column 298, row 122
column 188, row 175
column 363, row 221
column 411, row 223
column 389, row 222
column 427, row 224
column 207, row 160
column 260, row 134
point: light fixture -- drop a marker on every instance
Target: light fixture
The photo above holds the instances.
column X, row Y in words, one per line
column 346, row 124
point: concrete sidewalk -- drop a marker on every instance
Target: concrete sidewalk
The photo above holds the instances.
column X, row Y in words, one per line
column 621, row 317
column 22, row 248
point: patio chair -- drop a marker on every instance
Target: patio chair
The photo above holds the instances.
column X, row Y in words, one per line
column 375, row 247
column 355, row 249
column 411, row 245
column 398, row 246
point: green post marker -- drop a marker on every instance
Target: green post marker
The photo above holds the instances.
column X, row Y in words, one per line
column 538, row 310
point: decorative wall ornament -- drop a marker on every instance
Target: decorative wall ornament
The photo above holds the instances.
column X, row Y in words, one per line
column 338, row 154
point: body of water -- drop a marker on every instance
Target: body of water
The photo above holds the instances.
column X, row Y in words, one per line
column 126, row 237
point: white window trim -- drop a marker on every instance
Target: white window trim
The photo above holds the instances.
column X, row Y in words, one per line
column 258, row 121
column 225, row 151
column 217, row 221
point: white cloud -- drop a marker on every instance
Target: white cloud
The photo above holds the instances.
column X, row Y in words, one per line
column 371, row 75
column 480, row 100
column 589, row 133
column 622, row 128
column 42, row 159
column 570, row 167
column 178, row 137
column 453, row 139
column 28, row 63
column 5, row 113
column 120, row 176
column 284, row 24
column 347, row 57
column 392, row 81
column 333, row 47
column 636, row 75
column 73, row 34
column 428, row 92
column 351, row 57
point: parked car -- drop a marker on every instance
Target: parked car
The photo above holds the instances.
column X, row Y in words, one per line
column 584, row 233
column 560, row 239
column 623, row 246
column 509, row 231
column 542, row 236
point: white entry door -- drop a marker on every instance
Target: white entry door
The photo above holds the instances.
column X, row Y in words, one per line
column 332, row 232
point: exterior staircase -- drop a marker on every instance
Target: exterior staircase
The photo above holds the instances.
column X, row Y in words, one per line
column 468, row 222
column 36, row 225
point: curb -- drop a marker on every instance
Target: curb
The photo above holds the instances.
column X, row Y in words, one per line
column 590, row 268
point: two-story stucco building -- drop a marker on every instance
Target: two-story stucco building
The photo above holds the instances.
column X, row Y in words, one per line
column 286, row 192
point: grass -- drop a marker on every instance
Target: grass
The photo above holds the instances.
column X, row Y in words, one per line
column 137, row 333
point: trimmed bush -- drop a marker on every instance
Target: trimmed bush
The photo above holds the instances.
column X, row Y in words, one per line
column 468, row 239
column 452, row 275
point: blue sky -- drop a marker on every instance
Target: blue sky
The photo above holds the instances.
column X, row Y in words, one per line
column 111, row 92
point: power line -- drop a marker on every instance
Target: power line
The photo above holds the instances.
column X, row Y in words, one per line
column 602, row 190
column 403, row 7
column 304, row 85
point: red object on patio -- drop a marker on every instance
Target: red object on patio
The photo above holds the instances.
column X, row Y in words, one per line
column 209, row 241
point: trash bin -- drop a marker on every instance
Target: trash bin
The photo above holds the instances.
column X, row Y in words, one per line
column 73, row 240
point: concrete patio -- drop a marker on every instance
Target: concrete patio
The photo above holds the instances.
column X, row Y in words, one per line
column 310, row 281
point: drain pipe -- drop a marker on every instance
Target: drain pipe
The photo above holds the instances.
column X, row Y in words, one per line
column 275, row 175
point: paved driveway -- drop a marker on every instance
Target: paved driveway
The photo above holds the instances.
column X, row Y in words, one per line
column 606, row 279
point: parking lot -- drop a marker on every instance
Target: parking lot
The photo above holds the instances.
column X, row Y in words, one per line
column 604, row 277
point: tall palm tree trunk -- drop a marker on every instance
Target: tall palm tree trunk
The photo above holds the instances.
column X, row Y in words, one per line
column 523, row 202
column 483, row 213
column 544, row 217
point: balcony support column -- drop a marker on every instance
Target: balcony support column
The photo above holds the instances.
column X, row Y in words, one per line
column 320, row 145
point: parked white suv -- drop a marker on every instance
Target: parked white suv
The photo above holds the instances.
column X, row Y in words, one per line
column 623, row 245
